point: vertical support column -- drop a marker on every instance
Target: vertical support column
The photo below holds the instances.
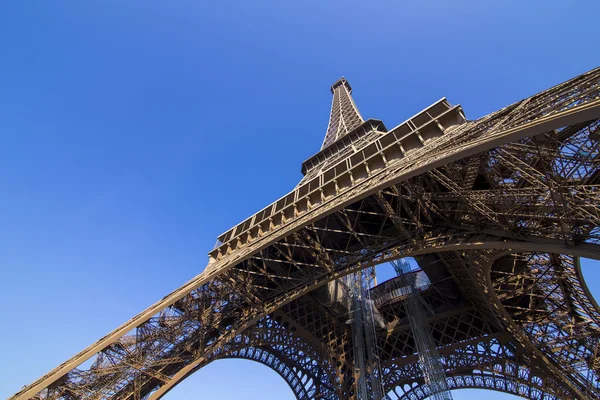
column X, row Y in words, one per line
column 429, row 358
column 367, row 367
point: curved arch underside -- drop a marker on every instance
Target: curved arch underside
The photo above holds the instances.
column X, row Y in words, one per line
column 481, row 205
column 480, row 380
column 270, row 343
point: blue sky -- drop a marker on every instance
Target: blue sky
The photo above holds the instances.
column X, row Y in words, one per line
column 133, row 133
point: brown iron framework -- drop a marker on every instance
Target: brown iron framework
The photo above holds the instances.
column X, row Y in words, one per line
column 496, row 211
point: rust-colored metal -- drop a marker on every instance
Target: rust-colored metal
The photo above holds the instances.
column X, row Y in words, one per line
column 496, row 211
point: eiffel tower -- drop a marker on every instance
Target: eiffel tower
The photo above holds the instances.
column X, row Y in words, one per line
column 496, row 212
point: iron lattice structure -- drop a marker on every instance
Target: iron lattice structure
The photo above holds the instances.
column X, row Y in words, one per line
column 496, row 211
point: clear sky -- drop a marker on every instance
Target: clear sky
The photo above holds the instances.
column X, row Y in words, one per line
column 134, row 132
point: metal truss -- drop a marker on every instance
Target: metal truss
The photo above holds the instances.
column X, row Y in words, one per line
column 542, row 294
column 308, row 373
column 496, row 211
column 489, row 363
column 344, row 114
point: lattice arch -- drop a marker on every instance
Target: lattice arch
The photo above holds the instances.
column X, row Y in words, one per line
column 270, row 343
column 302, row 384
column 492, row 362
column 477, row 380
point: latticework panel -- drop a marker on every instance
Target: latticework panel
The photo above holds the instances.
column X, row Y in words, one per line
column 344, row 114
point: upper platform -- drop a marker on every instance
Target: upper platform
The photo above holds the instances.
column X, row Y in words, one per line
column 339, row 166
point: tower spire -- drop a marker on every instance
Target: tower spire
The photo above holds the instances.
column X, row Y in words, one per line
column 344, row 115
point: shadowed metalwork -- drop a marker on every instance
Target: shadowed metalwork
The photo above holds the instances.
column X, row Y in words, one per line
column 496, row 211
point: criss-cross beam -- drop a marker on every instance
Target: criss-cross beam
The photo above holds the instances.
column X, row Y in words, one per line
column 491, row 362
column 555, row 359
column 466, row 341
column 335, row 224
column 489, row 380
column 545, row 297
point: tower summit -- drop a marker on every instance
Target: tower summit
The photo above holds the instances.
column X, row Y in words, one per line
column 344, row 115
